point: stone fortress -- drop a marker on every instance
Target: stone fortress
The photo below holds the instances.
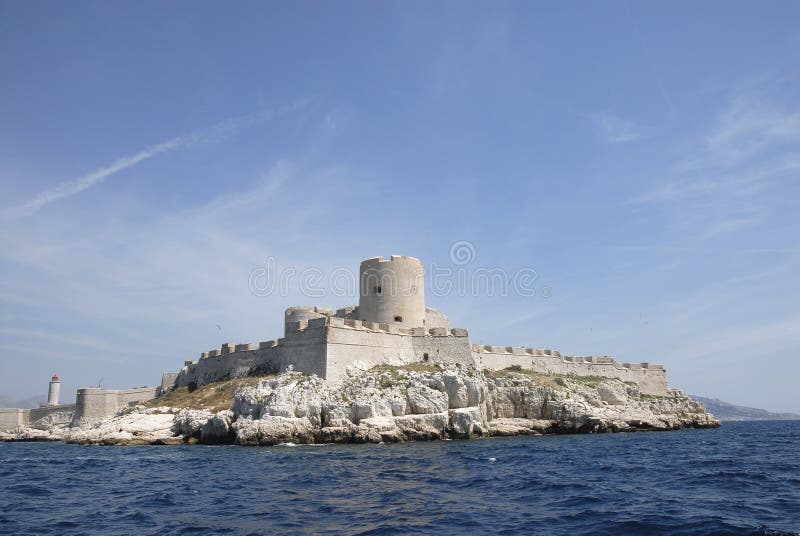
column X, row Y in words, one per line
column 390, row 325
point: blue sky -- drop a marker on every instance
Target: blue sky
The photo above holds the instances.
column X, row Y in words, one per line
column 642, row 159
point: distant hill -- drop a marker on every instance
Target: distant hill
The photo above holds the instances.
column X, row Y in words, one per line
column 725, row 411
column 25, row 403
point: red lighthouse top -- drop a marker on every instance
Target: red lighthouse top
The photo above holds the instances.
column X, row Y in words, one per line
column 55, row 378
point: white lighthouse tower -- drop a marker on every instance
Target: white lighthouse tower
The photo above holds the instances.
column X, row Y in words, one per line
column 54, row 391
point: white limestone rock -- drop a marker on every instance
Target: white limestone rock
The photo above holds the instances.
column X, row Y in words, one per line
column 466, row 422
column 291, row 395
column 456, row 389
column 219, row 428
column 614, row 393
column 190, row 422
column 53, row 421
column 132, row 425
column 425, row 400
column 273, row 430
column 419, row 427
column 398, row 404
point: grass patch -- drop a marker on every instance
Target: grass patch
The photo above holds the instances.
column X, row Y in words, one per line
column 643, row 396
column 217, row 396
column 547, row 380
column 395, row 377
column 411, row 367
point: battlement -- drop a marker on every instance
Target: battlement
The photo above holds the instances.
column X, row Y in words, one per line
column 651, row 378
column 300, row 309
column 392, row 258
column 536, row 352
column 515, row 350
column 337, row 321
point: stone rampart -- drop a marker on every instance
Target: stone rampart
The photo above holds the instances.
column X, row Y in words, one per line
column 303, row 349
column 45, row 417
column 93, row 404
column 330, row 345
column 12, row 419
column 168, row 380
column 327, row 346
column 651, row 378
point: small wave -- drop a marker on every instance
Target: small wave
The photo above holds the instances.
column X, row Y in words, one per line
column 29, row 489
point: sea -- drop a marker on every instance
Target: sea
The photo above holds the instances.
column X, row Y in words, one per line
column 743, row 478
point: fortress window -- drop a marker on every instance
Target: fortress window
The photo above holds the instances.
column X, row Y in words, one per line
column 377, row 289
column 425, row 356
column 398, row 319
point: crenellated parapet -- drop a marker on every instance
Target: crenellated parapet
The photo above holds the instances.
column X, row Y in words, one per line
column 329, row 344
column 651, row 378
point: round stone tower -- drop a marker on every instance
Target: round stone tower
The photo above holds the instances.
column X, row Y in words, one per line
column 392, row 291
column 302, row 313
column 54, row 391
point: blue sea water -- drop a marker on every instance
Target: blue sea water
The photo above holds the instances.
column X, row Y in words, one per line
column 743, row 478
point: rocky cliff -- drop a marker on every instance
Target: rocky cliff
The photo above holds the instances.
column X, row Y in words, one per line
column 415, row 402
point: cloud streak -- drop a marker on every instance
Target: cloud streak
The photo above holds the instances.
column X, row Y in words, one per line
column 214, row 133
column 612, row 129
column 70, row 188
column 724, row 185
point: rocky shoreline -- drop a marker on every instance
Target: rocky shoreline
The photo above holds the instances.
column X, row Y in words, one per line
column 385, row 404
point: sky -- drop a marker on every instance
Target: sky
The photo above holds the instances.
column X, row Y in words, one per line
column 632, row 168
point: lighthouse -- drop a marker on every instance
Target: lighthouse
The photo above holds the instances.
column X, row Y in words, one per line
column 53, row 391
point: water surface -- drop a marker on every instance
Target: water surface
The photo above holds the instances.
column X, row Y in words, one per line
column 743, row 478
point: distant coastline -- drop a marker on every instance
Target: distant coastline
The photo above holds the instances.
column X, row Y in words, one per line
column 725, row 411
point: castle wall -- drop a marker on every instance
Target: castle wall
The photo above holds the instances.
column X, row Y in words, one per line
column 303, row 313
column 227, row 366
column 365, row 344
column 303, row 349
column 45, row 416
column 328, row 346
column 651, row 379
column 168, row 380
column 94, row 404
column 44, row 411
column 440, row 345
column 11, row 419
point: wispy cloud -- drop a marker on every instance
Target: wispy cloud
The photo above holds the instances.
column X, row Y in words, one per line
column 214, row 133
column 749, row 125
column 779, row 335
column 613, row 129
column 720, row 186
column 69, row 188
column 728, row 225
